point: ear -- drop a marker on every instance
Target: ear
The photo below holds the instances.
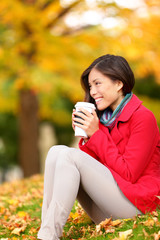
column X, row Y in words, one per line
column 119, row 85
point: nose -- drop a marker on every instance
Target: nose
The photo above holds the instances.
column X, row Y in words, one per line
column 93, row 91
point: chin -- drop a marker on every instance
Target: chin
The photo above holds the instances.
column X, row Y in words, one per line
column 100, row 108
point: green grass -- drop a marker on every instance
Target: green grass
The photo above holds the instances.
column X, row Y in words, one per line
column 20, row 207
column 137, row 225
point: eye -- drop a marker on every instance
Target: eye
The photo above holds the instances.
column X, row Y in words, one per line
column 97, row 83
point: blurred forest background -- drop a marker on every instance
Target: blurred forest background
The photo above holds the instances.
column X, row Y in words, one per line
column 44, row 47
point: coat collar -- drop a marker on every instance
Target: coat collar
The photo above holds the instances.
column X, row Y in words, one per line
column 125, row 115
column 130, row 108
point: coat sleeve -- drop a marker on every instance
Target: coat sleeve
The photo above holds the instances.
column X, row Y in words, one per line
column 144, row 135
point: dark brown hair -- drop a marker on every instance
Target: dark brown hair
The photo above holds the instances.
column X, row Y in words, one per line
column 114, row 67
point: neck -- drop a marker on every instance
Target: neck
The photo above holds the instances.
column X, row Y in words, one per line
column 116, row 103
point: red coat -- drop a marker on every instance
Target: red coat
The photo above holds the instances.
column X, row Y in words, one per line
column 132, row 153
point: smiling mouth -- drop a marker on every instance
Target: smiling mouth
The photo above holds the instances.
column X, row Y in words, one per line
column 98, row 100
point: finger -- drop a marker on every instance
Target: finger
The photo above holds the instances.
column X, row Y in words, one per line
column 85, row 112
column 79, row 115
column 94, row 113
column 85, row 115
column 73, row 126
column 73, row 114
column 78, row 121
column 73, row 111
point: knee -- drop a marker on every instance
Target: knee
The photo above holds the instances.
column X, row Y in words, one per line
column 52, row 155
column 52, row 150
column 68, row 156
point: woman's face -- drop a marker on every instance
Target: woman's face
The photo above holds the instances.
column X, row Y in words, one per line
column 104, row 91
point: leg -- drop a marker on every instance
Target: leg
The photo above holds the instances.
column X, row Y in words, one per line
column 50, row 165
column 64, row 192
column 101, row 191
column 89, row 206
column 73, row 166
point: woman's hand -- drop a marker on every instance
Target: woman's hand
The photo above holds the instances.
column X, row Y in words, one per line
column 89, row 122
column 73, row 126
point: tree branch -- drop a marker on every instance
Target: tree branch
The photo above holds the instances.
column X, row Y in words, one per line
column 75, row 30
column 47, row 4
column 61, row 14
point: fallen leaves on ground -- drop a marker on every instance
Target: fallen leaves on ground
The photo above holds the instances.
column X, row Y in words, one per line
column 20, row 212
column 20, row 206
column 110, row 226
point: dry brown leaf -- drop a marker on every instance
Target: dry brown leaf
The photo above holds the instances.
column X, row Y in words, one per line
column 32, row 230
column 17, row 231
column 105, row 223
column 157, row 224
column 125, row 234
column 149, row 223
column 157, row 236
column 116, row 222
column 145, row 233
column 135, row 225
column 110, row 230
column 98, row 228
column 155, row 213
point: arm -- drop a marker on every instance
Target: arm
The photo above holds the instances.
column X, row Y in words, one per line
column 138, row 151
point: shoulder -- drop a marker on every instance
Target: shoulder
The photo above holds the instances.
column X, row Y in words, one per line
column 144, row 113
column 144, row 119
column 135, row 110
column 138, row 115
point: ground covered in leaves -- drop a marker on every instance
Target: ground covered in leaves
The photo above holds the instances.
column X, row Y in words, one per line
column 20, row 211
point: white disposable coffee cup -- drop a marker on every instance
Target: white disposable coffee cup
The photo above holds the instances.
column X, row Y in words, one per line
column 89, row 107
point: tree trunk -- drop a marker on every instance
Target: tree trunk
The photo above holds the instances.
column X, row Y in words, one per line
column 28, row 133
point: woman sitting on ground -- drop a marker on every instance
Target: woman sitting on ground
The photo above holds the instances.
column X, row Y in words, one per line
column 116, row 171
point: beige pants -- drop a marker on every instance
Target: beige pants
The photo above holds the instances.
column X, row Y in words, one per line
column 70, row 174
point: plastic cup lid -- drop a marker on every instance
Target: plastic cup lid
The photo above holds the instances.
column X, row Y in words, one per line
column 85, row 104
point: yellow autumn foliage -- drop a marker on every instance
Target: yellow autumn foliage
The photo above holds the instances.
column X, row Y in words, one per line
column 39, row 51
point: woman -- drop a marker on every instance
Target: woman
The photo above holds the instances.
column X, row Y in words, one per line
column 116, row 172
